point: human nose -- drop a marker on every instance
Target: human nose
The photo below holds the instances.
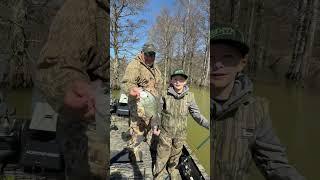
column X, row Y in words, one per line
column 217, row 65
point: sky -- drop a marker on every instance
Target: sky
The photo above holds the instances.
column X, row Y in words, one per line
column 152, row 10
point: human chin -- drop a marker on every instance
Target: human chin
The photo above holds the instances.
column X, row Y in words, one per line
column 177, row 87
column 221, row 81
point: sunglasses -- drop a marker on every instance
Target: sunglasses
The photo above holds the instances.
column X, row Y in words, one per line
column 150, row 54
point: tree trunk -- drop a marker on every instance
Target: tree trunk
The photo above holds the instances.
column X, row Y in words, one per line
column 310, row 38
column 20, row 64
column 170, row 62
column 115, row 78
column 165, row 68
column 213, row 13
column 302, row 40
column 205, row 66
column 185, row 46
column 251, row 37
column 257, row 44
column 186, row 37
column 235, row 12
column 252, row 21
column 297, row 40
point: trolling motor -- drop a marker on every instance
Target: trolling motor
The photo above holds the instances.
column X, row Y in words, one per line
column 187, row 167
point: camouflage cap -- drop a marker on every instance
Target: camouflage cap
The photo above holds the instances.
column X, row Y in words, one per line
column 179, row 72
column 148, row 47
column 229, row 35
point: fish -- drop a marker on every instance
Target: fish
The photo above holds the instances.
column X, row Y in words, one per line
column 147, row 105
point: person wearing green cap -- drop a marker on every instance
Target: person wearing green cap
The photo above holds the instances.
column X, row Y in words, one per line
column 141, row 74
column 241, row 130
column 176, row 103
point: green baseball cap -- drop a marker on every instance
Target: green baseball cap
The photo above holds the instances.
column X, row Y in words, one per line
column 227, row 34
column 179, row 72
column 148, row 47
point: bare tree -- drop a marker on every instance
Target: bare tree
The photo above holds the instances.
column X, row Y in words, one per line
column 204, row 28
column 304, row 36
column 19, row 63
column 184, row 17
column 189, row 32
column 235, row 12
column 19, row 19
column 182, row 38
column 123, row 29
column 256, row 35
column 310, row 40
column 163, row 35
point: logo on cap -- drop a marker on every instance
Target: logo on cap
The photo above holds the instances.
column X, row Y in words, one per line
column 225, row 31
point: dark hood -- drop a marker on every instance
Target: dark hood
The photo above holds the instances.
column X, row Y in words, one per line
column 172, row 92
column 242, row 89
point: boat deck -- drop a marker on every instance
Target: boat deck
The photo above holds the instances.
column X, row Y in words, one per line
column 123, row 168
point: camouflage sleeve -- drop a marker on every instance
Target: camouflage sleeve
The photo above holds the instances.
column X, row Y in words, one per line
column 130, row 78
column 269, row 155
column 61, row 60
column 196, row 114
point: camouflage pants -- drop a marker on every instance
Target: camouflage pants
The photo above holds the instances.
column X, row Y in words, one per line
column 84, row 145
column 140, row 131
column 168, row 153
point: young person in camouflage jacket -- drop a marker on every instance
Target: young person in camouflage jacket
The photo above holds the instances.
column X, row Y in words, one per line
column 241, row 130
column 177, row 103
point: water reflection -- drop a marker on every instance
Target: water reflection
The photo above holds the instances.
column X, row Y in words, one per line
column 295, row 116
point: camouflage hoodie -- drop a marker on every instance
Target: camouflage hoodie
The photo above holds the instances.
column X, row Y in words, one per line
column 242, row 89
column 241, row 132
column 175, row 109
column 139, row 74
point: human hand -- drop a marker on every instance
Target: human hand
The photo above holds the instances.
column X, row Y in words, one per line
column 79, row 100
column 135, row 92
column 156, row 131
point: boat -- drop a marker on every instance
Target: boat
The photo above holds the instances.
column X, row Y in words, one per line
column 121, row 166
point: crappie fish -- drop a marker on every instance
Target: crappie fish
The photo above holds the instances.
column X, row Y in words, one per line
column 147, row 106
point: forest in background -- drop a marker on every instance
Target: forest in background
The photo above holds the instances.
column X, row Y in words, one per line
column 24, row 27
column 282, row 35
column 180, row 34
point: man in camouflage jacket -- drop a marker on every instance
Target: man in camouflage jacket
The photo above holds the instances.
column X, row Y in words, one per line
column 177, row 103
column 141, row 73
column 71, row 74
column 241, row 129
